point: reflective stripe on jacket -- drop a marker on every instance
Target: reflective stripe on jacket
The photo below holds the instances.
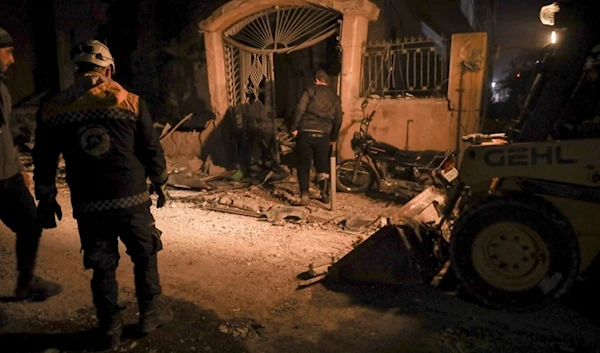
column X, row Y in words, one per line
column 106, row 137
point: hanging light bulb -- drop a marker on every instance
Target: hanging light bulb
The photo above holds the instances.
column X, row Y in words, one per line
column 553, row 37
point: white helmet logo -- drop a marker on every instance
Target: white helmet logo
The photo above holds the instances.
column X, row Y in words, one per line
column 94, row 141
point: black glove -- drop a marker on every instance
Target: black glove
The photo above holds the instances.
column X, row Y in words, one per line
column 161, row 192
column 47, row 209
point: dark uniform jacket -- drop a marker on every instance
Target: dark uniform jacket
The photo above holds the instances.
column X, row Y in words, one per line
column 106, row 137
column 319, row 110
column 10, row 164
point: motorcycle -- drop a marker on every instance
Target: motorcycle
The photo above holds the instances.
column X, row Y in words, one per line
column 395, row 171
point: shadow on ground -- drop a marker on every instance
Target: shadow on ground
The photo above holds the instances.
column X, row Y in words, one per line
column 583, row 298
column 193, row 329
column 453, row 323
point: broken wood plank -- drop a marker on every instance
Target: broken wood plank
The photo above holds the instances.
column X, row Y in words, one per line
column 311, row 281
column 237, row 211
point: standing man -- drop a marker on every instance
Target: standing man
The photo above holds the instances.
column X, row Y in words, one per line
column 17, row 207
column 106, row 137
column 316, row 125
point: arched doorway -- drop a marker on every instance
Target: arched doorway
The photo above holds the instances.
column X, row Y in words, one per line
column 244, row 38
column 264, row 45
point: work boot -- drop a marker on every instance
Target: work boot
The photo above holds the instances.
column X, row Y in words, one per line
column 153, row 316
column 324, row 187
column 111, row 328
column 37, row 289
column 304, row 199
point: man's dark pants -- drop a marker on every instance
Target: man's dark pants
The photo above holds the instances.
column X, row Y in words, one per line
column 99, row 235
column 18, row 212
column 311, row 145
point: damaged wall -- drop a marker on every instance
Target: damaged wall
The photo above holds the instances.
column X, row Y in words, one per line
column 432, row 123
column 161, row 55
column 412, row 124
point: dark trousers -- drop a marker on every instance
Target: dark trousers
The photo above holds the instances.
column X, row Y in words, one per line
column 99, row 241
column 18, row 212
column 311, row 146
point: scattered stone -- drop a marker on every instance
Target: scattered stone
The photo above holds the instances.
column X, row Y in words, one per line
column 359, row 224
column 318, row 218
column 286, row 305
column 226, row 200
column 280, row 213
column 245, row 204
column 213, row 169
column 194, row 165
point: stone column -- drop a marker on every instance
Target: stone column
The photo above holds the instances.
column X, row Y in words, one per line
column 215, row 62
column 354, row 34
column 468, row 58
column 217, row 81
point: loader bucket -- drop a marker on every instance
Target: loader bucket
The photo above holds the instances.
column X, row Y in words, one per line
column 423, row 208
column 395, row 254
column 384, row 257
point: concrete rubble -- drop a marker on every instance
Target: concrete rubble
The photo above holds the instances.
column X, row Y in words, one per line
column 272, row 201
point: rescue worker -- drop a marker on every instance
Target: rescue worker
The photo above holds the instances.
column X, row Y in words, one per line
column 17, row 207
column 316, row 125
column 106, row 137
column 582, row 32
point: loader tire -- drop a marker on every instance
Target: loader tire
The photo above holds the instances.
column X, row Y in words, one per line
column 515, row 254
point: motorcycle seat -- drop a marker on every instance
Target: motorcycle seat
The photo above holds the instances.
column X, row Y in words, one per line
column 424, row 159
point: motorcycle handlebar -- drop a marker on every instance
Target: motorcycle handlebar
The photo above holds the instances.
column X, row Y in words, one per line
column 368, row 117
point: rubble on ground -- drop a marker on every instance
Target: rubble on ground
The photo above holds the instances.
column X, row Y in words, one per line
column 203, row 185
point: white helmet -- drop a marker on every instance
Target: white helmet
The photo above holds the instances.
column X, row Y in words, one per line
column 548, row 13
column 93, row 52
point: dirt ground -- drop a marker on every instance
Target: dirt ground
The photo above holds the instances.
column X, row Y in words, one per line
column 232, row 282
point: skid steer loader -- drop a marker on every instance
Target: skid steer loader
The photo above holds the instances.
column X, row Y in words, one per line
column 518, row 225
column 525, row 216
column 524, row 219
column 519, row 222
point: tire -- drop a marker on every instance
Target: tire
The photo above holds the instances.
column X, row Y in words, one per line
column 514, row 254
column 345, row 173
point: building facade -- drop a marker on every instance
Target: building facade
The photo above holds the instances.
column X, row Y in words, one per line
column 161, row 51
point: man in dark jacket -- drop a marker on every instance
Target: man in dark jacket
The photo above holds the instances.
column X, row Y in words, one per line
column 17, row 207
column 316, row 125
column 106, row 137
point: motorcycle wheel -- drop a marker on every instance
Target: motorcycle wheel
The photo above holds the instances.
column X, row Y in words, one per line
column 347, row 181
column 427, row 180
column 514, row 254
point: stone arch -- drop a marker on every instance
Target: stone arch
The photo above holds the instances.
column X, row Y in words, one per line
column 236, row 10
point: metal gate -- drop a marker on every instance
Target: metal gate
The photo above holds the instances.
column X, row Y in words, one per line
column 251, row 43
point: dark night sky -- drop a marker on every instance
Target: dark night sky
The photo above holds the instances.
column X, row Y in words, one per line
column 518, row 28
